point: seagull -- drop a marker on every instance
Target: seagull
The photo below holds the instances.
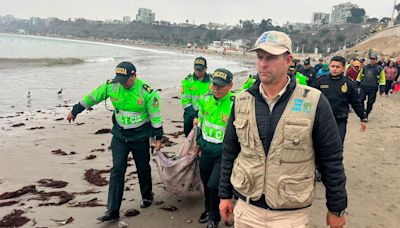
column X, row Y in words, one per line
column 59, row 92
column 29, row 95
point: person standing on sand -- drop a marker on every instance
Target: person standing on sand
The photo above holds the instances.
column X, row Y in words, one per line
column 341, row 92
column 214, row 111
column 371, row 78
column 278, row 130
column 136, row 119
column 193, row 87
column 391, row 73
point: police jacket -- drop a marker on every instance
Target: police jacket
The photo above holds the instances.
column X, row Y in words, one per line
column 326, row 142
column 310, row 73
column 372, row 76
column 341, row 92
column 137, row 114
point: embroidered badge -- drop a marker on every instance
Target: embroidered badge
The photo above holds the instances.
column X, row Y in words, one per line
column 297, row 104
column 225, row 118
column 306, row 107
column 344, row 88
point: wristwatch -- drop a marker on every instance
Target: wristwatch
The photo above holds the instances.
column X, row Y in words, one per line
column 365, row 120
column 338, row 213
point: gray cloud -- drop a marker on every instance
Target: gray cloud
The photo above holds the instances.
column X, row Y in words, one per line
column 199, row 11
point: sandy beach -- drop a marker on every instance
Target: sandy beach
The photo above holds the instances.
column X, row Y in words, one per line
column 32, row 144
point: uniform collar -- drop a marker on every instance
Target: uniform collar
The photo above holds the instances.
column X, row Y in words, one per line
column 227, row 96
column 206, row 77
column 336, row 77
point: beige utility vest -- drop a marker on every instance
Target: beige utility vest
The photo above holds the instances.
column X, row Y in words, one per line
column 286, row 175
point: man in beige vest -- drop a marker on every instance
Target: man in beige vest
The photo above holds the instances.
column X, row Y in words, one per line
column 278, row 130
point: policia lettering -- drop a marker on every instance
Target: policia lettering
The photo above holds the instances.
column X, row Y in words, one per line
column 136, row 118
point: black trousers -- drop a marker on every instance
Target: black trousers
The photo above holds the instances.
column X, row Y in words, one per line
column 342, row 126
column 370, row 92
column 141, row 155
column 210, row 168
column 188, row 123
column 388, row 86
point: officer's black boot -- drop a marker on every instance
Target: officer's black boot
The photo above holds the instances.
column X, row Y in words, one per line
column 203, row 217
column 147, row 202
column 109, row 216
column 212, row 224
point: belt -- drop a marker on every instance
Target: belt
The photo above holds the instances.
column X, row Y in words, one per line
column 258, row 203
column 262, row 203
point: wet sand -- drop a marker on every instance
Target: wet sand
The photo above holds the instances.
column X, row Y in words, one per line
column 43, row 145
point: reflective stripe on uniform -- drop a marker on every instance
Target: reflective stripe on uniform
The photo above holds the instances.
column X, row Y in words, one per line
column 83, row 103
column 155, row 115
column 210, row 139
column 187, row 105
column 115, row 87
column 200, row 115
column 214, row 126
column 156, row 125
column 129, row 120
column 186, row 96
column 127, row 113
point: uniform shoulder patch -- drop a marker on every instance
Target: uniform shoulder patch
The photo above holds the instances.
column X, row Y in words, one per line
column 188, row 76
column 147, row 88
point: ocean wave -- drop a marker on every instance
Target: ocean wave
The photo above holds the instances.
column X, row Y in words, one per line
column 4, row 62
column 100, row 59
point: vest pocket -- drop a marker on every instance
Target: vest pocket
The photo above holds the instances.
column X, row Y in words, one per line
column 296, row 191
column 296, row 140
column 240, row 180
column 248, row 177
column 242, row 130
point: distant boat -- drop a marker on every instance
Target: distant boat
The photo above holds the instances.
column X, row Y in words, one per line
column 59, row 92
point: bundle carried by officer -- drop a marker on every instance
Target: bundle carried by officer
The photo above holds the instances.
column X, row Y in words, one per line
column 180, row 174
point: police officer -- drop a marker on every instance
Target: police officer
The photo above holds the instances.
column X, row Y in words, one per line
column 308, row 71
column 193, row 87
column 214, row 112
column 318, row 66
column 136, row 118
column 249, row 82
column 276, row 133
column 340, row 91
column 370, row 78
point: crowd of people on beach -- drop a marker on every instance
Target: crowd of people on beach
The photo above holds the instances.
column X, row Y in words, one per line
column 260, row 149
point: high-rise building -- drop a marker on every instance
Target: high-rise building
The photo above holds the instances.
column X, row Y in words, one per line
column 320, row 18
column 127, row 19
column 145, row 16
column 341, row 12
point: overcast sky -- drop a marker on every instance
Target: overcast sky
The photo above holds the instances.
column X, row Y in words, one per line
column 199, row 11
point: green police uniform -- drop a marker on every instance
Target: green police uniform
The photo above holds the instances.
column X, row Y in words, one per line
column 213, row 118
column 250, row 81
column 136, row 118
column 301, row 79
column 191, row 91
